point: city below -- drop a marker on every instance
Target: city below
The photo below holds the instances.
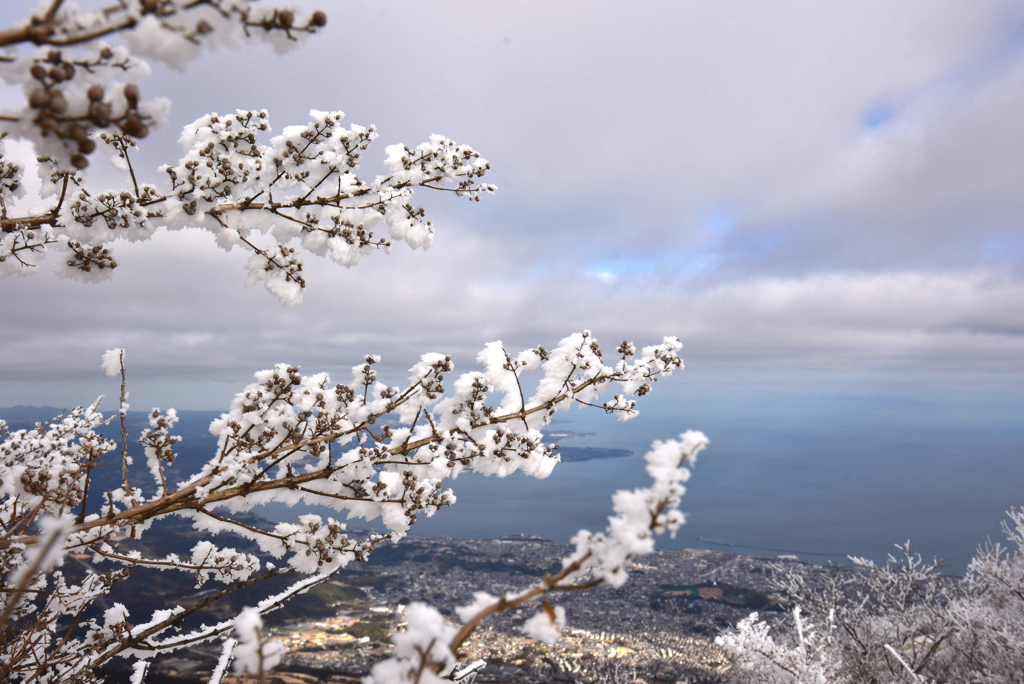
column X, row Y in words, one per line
column 659, row 627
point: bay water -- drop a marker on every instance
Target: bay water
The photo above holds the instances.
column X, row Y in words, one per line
column 821, row 475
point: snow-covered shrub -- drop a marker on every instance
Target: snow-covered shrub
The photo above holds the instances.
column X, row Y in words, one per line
column 361, row 447
column 990, row 613
column 900, row 623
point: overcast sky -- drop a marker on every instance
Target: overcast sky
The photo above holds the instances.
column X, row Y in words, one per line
column 806, row 193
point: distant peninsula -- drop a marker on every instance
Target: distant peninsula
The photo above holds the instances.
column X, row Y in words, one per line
column 574, row 454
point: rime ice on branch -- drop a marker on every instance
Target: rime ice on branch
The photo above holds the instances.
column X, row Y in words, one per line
column 363, row 448
column 299, row 186
column 234, row 180
column 427, row 651
column 78, row 86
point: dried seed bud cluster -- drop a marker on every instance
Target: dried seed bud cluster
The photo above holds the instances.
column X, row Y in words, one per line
column 60, row 109
column 88, row 258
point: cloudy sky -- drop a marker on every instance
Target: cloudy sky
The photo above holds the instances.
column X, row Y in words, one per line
column 808, row 194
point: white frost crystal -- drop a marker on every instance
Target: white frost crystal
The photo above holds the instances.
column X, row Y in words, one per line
column 111, row 362
column 546, row 626
column 255, row 653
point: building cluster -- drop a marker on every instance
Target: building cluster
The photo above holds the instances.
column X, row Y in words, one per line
column 659, row 626
column 350, row 643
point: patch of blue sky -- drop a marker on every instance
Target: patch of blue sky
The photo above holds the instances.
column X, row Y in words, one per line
column 720, row 243
column 698, row 264
column 877, row 116
column 717, row 220
column 763, row 241
column 684, row 264
column 1002, row 248
column 619, row 266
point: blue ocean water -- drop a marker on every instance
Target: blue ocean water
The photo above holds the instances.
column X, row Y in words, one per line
column 807, row 468
column 821, row 475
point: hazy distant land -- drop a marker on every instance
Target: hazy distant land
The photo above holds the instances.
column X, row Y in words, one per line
column 574, row 454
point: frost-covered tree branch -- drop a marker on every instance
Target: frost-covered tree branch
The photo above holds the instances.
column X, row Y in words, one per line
column 427, row 652
column 235, row 180
column 301, row 186
column 364, row 448
column 77, row 85
column 182, row 26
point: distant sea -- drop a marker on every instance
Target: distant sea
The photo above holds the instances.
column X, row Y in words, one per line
column 821, row 476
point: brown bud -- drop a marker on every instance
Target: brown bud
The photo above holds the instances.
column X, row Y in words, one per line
column 131, row 93
column 95, row 92
column 39, row 98
column 69, row 72
column 38, row 72
column 318, row 19
column 77, row 133
column 87, row 146
column 79, row 161
column 106, row 52
column 57, row 74
column 203, row 27
column 58, row 103
column 53, row 56
column 285, row 18
column 102, row 111
column 149, row 6
column 48, row 123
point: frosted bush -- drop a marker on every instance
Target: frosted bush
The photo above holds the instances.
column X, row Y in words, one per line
column 899, row 623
